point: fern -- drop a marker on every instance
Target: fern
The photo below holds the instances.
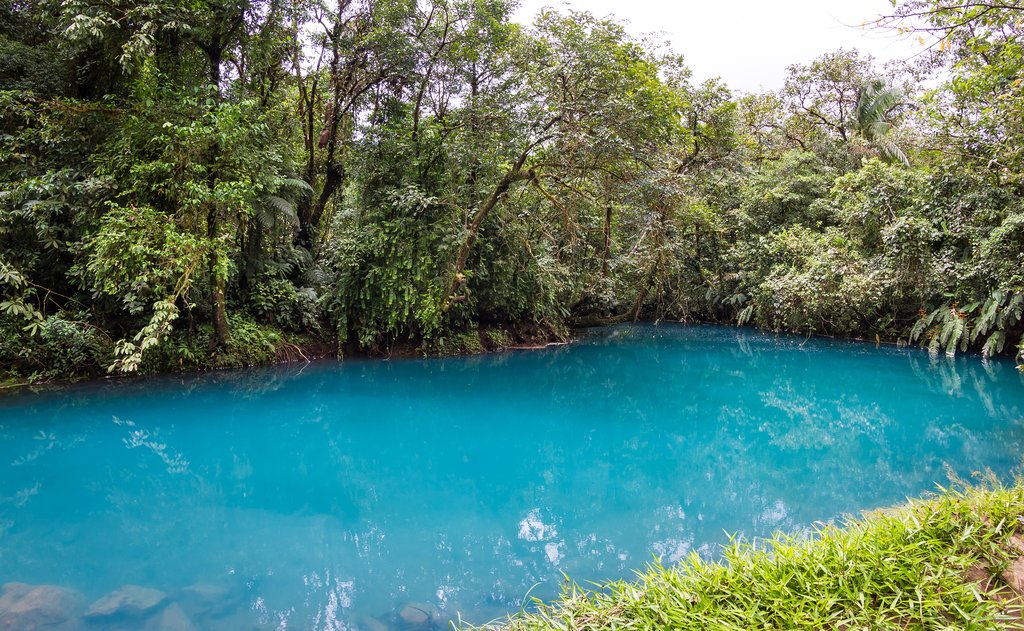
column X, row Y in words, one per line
column 988, row 317
column 295, row 185
column 951, row 329
column 922, row 325
column 283, row 207
column 744, row 315
column 951, row 333
column 959, row 338
column 735, row 300
column 1012, row 312
column 994, row 344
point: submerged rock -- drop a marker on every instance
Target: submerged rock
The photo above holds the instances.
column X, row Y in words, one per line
column 369, row 623
column 205, row 600
column 130, row 600
column 38, row 607
column 413, row 615
column 12, row 594
column 419, row 615
column 237, row 621
column 172, row 618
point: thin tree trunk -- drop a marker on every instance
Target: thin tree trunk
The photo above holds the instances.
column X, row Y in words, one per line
column 458, row 280
column 515, row 174
column 605, row 263
column 308, row 230
column 309, row 216
column 221, row 330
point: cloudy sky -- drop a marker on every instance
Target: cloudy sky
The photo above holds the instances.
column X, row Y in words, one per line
column 748, row 43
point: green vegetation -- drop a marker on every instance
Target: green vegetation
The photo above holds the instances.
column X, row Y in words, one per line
column 942, row 563
column 186, row 185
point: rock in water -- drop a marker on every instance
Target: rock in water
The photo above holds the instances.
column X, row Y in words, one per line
column 130, row 600
column 415, row 614
column 203, row 600
column 37, row 608
column 172, row 618
column 12, row 594
column 368, row 623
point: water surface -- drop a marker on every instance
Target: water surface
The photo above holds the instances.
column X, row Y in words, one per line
column 331, row 495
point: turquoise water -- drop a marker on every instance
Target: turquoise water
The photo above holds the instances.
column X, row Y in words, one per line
column 331, row 495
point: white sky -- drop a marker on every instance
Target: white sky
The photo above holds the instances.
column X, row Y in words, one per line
column 748, row 43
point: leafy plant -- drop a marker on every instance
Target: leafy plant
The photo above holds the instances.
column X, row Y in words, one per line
column 951, row 329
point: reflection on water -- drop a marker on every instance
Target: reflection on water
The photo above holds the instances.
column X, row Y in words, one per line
column 377, row 495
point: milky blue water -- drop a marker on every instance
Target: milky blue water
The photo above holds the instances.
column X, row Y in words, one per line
column 331, row 495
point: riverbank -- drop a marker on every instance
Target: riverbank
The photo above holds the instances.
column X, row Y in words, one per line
column 952, row 561
column 264, row 345
column 255, row 345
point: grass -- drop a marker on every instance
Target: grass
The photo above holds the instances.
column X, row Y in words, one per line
column 899, row 569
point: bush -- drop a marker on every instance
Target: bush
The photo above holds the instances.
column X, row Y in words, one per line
column 278, row 302
column 459, row 343
column 818, row 284
column 61, row 347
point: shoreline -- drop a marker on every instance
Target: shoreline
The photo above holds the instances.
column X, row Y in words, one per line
column 960, row 552
column 480, row 341
column 483, row 340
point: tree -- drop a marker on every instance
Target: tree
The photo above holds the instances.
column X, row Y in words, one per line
column 978, row 114
column 822, row 96
column 872, row 118
column 366, row 44
column 588, row 91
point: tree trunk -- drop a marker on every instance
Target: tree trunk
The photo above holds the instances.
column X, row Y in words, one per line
column 515, row 174
column 310, row 213
column 309, row 228
column 474, row 131
column 221, row 330
column 605, row 263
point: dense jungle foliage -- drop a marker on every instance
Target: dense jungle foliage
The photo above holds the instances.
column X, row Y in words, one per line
column 220, row 182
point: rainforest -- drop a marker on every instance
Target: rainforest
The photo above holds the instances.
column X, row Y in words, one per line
column 189, row 185
column 729, row 320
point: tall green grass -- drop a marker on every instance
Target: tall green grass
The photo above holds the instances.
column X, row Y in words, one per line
column 896, row 569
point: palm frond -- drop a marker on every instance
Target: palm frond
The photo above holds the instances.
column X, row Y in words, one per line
column 871, row 118
column 891, row 152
